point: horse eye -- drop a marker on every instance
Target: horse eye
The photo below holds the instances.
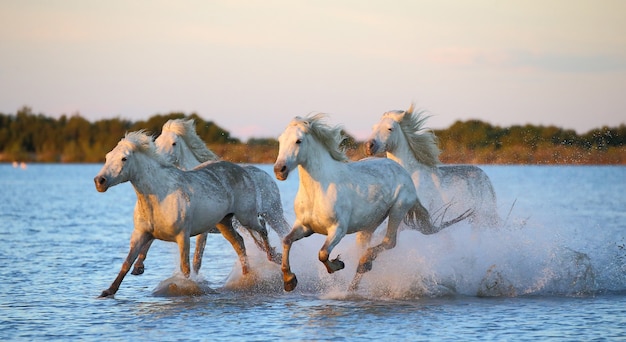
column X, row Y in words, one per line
column 124, row 159
column 299, row 141
column 390, row 129
column 174, row 143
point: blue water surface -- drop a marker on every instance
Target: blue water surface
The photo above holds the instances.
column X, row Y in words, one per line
column 554, row 270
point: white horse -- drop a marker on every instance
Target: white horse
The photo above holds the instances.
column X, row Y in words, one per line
column 173, row 204
column 180, row 144
column 457, row 187
column 336, row 197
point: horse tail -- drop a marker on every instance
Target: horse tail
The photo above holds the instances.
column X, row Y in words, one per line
column 418, row 218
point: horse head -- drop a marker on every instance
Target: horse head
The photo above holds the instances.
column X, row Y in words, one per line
column 385, row 133
column 399, row 128
column 182, row 146
column 289, row 144
column 170, row 146
column 302, row 136
column 121, row 160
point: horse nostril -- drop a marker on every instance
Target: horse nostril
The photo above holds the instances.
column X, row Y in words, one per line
column 100, row 180
column 283, row 168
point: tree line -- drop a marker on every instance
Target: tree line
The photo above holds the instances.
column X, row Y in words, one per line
column 29, row 137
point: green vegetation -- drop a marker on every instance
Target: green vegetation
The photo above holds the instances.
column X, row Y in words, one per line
column 478, row 142
column 31, row 137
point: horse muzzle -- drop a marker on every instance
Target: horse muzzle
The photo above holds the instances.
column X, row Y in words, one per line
column 281, row 171
column 371, row 147
column 101, row 183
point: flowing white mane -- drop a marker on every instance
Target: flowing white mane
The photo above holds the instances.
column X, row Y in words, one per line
column 140, row 141
column 422, row 141
column 330, row 137
column 186, row 130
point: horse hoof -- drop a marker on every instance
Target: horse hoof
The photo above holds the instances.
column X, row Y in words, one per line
column 291, row 284
column 337, row 265
column 137, row 270
column 106, row 294
column 340, row 265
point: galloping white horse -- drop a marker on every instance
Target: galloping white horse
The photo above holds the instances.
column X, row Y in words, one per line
column 457, row 187
column 180, row 144
column 173, row 204
column 336, row 197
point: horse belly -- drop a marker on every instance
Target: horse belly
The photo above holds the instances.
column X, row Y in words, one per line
column 355, row 214
column 205, row 218
column 366, row 218
column 317, row 215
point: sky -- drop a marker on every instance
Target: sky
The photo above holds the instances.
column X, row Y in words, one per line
column 251, row 66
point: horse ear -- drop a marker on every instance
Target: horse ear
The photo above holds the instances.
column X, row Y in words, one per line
column 411, row 108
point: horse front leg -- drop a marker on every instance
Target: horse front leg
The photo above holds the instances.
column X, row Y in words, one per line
column 183, row 246
column 335, row 234
column 197, row 256
column 139, row 267
column 297, row 232
column 137, row 243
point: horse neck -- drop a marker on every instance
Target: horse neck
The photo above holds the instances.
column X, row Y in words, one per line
column 404, row 156
column 318, row 167
column 151, row 177
column 187, row 159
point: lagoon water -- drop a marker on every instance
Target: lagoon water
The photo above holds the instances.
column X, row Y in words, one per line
column 555, row 270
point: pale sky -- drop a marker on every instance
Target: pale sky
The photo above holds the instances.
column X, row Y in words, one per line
column 251, row 66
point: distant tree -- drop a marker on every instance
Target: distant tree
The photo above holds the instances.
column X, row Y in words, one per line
column 28, row 136
column 472, row 134
column 263, row 142
column 212, row 133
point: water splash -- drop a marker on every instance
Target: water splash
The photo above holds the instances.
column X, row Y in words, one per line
column 178, row 285
column 524, row 257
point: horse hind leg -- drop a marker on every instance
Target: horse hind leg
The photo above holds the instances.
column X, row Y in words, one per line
column 389, row 242
column 276, row 220
column 230, row 234
column 365, row 263
column 261, row 239
column 197, row 255
column 263, row 243
column 275, row 216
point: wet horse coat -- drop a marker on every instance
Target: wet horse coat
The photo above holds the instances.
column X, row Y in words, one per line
column 173, row 205
column 336, row 197
column 457, row 188
column 180, row 144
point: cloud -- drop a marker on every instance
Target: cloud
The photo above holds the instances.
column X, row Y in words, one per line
column 527, row 60
column 568, row 63
column 468, row 57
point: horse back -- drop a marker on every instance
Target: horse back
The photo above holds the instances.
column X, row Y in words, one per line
column 470, row 173
column 233, row 181
column 381, row 167
column 480, row 192
column 393, row 182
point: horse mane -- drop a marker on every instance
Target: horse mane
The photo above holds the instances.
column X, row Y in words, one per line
column 141, row 141
column 422, row 141
column 330, row 137
column 186, row 130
